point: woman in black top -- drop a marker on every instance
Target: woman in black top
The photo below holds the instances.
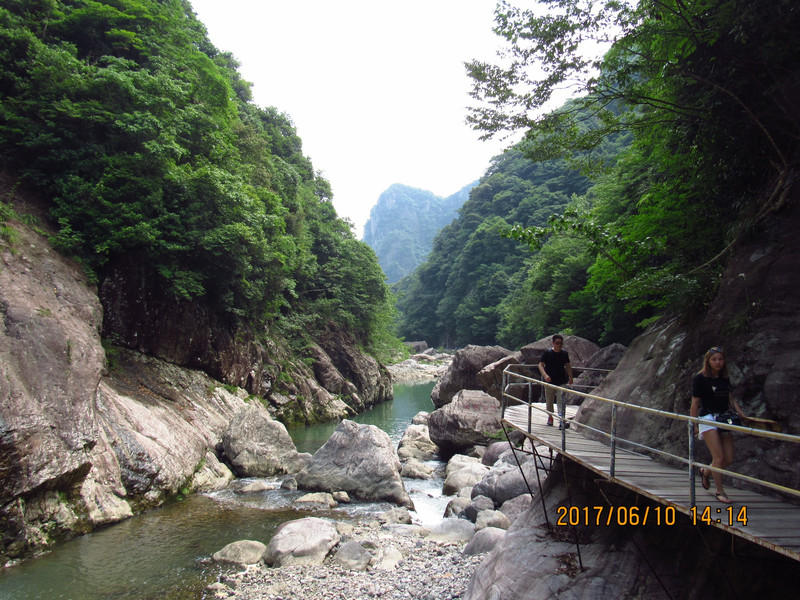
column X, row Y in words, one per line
column 711, row 395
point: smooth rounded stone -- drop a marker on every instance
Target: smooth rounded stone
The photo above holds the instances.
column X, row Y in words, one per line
column 471, row 419
column 243, row 552
column 391, row 557
column 289, row 483
column 302, row 541
column 360, row 460
column 467, row 476
column 344, row 529
column 397, row 514
column 456, row 507
column 323, row 498
column 459, row 461
column 484, row 541
column 516, row 506
column 507, row 482
column 342, row 497
column 416, row 443
column 352, row 556
column 413, row 469
column 256, row 486
column 465, row 492
column 452, row 530
column 494, row 451
column 491, row 518
column 421, row 418
column 405, row 529
column 476, row 505
column 259, row 446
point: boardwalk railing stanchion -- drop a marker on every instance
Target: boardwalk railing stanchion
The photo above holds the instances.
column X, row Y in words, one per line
column 504, row 388
column 690, row 428
column 613, row 437
column 530, row 406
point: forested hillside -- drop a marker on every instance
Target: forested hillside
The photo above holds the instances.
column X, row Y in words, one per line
column 142, row 138
column 455, row 297
column 705, row 90
column 403, row 223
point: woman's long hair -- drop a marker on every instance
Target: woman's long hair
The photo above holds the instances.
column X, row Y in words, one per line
column 706, row 370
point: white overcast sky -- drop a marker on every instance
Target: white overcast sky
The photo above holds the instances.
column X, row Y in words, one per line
column 376, row 89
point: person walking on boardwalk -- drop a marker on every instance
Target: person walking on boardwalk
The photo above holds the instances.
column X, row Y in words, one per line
column 711, row 396
column 556, row 369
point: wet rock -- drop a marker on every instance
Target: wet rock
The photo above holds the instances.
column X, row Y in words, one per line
column 244, row 552
column 472, row 418
column 303, row 541
column 259, row 446
column 360, row 460
column 463, row 371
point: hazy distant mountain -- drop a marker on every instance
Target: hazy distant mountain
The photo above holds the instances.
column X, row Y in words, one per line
column 403, row 223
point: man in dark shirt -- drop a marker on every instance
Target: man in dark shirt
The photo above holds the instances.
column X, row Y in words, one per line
column 556, row 369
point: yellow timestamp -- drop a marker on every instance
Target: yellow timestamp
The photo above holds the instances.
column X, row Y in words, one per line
column 730, row 515
column 615, row 515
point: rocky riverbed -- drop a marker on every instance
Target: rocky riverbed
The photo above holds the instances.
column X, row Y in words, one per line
column 412, row 566
column 421, row 367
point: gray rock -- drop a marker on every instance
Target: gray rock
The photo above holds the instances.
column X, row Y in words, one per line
column 413, row 469
column 416, row 443
column 490, row 377
column 472, row 418
column 301, row 542
column 243, row 552
column 494, row 451
column 516, row 506
column 506, row 481
column 320, row 498
column 360, row 460
column 467, row 476
column 484, row 541
column 341, row 497
column 353, row 556
column 477, row 505
column 289, row 483
column 491, row 518
column 456, row 506
column 395, row 515
column 452, row 530
column 463, row 371
column 421, row 418
column 259, row 446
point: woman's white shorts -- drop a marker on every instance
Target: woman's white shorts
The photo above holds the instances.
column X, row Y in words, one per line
column 703, row 428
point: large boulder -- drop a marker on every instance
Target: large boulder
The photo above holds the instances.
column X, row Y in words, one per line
column 416, row 443
column 490, row 377
column 605, row 359
column 259, row 446
column 360, row 460
column 301, row 542
column 463, row 371
column 473, row 417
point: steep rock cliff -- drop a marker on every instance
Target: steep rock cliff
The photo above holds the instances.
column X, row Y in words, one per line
column 90, row 435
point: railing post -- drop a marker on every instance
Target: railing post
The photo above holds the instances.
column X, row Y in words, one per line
column 691, row 463
column 530, row 406
column 562, row 411
column 504, row 388
column 613, row 437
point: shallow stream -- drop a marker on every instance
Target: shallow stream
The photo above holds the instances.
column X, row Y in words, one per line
column 163, row 554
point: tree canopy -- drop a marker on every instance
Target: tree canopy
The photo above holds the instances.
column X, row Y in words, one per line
column 143, row 136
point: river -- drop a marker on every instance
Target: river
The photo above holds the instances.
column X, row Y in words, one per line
column 164, row 553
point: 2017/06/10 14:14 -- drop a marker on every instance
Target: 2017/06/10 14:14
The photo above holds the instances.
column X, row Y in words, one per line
column 730, row 515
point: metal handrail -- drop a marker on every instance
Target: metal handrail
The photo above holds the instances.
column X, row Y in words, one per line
column 508, row 374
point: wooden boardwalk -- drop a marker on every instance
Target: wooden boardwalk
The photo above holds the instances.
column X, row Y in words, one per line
column 770, row 522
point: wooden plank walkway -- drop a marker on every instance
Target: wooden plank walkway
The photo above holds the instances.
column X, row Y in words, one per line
column 771, row 522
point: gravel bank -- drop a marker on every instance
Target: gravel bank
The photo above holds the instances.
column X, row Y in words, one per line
column 428, row 570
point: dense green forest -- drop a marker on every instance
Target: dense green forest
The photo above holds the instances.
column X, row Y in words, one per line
column 703, row 95
column 403, row 223
column 143, row 139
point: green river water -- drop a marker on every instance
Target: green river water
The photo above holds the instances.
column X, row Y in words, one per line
column 164, row 553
